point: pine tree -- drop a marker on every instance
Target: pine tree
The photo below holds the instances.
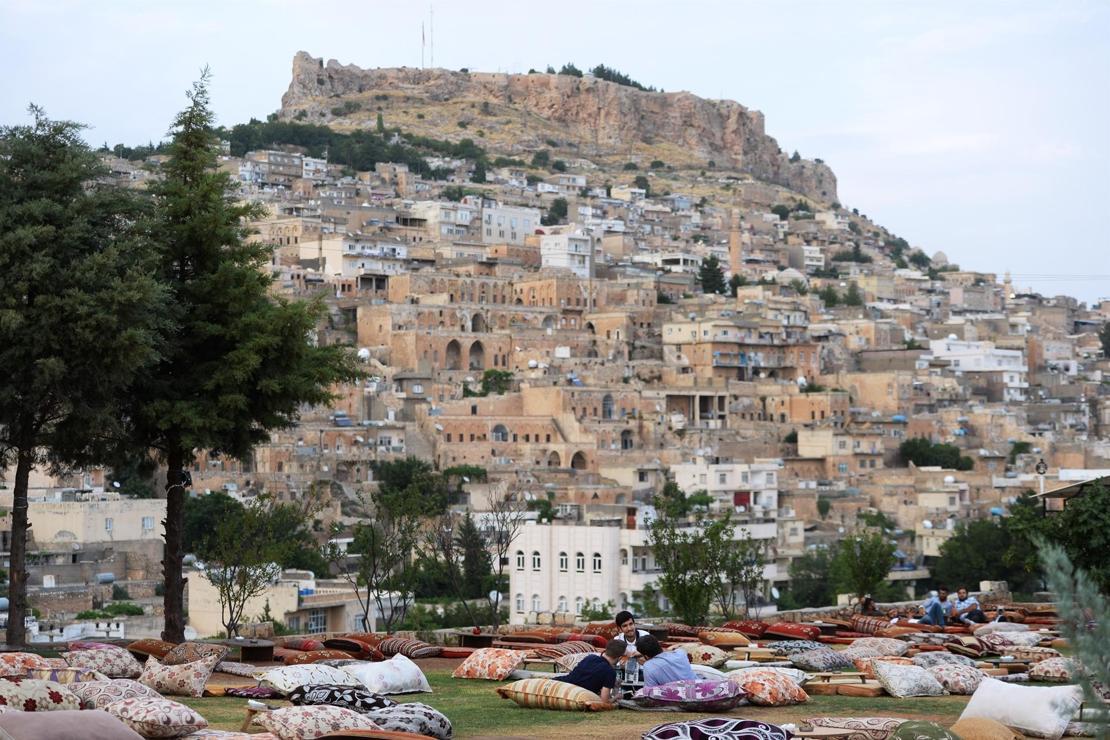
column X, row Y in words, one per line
column 239, row 363
column 80, row 314
column 853, row 296
column 476, row 559
column 711, row 276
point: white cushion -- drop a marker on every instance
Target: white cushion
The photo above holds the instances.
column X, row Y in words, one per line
column 289, row 677
column 1030, row 710
column 398, row 675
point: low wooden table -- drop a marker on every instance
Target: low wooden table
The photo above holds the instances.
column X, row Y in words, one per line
column 1011, row 666
column 471, row 640
column 251, row 650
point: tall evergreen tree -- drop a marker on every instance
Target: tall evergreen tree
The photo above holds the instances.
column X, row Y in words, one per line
column 80, row 313
column 240, row 362
column 476, row 559
column 711, row 276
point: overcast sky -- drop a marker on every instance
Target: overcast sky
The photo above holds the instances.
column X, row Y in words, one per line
column 980, row 129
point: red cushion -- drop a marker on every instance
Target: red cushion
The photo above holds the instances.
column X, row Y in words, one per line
column 836, row 640
column 356, row 648
column 793, row 631
column 595, row 640
column 608, row 630
column 750, row 627
column 457, row 652
column 301, row 643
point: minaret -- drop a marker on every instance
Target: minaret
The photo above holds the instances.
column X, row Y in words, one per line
column 1007, row 289
column 735, row 247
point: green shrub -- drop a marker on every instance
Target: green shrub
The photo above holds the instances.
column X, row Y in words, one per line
column 124, row 608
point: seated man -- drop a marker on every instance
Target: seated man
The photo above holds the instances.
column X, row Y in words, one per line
column 596, row 672
column 867, row 608
column 966, row 608
column 626, row 623
column 934, row 608
column 663, row 667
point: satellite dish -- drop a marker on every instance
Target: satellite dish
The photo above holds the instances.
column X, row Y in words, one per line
column 774, row 592
column 927, row 524
column 115, row 484
column 364, row 354
column 840, row 530
column 495, row 596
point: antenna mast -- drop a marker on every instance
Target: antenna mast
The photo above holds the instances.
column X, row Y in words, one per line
column 422, row 45
column 432, row 33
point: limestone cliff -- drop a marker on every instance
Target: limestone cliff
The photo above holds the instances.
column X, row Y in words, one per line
column 516, row 113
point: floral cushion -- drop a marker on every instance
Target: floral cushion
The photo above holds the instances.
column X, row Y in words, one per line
column 703, row 654
column 724, row 639
column 398, row 675
column 32, row 695
column 873, row 647
column 866, row 665
column 793, row 631
column 309, row 723
column 749, row 627
column 287, row 678
column 253, row 692
column 491, row 664
column 111, row 661
column 1034, row 711
column 232, row 668
column 957, row 679
column 191, row 652
column 151, row 647
column 907, row 680
column 90, row 645
column 335, row 695
column 861, row 728
column 1031, row 654
column 315, row 656
column 99, row 694
column 157, row 717
column 419, row 719
column 414, row 649
column 1060, row 670
column 65, row 676
column 547, row 693
column 797, row 676
column 17, row 664
column 570, row 662
column 769, row 688
column 692, row 696
column 941, row 657
column 66, row 724
column 917, row 729
column 820, row 660
column 717, row 728
column 187, row 679
column 790, row 647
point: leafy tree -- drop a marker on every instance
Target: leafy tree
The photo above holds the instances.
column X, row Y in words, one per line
column 541, row 158
column 810, row 584
column 80, row 314
column 922, row 452
column 134, row 478
column 685, row 578
column 631, row 166
column 501, row 525
column 1020, row 447
column 476, row 559
column 736, row 282
column 823, row 507
column 409, row 486
column 1082, row 529
column 782, row 211
column 738, row 565
column 559, row 165
column 608, row 73
column 671, row 501
column 479, row 175
column 862, row 563
column 877, row 519
column 545, row 510
column 658, row 164
column 711, row 276
column 829, row 296
column 641, row 182
column 971, row 554
column 556, row 212
column 453, row 193
column 238, row 362
column 853, row 297
column 799, row 286
column 570, row 69
column 202, row 515
column 920, row 259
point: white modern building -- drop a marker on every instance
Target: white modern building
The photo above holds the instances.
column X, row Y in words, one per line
column 503, row 224
column 569, row 250
column 1004, row 368
column 750, row 489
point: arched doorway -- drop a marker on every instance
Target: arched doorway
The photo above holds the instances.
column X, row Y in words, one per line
column 477, row 356
column 548, row 322
column 578, row 462
column 478, row 323
column 626, row 439
column 553, row 460
column 590, row 327
column 500, row 433
column 607, row 406
column 453, row 356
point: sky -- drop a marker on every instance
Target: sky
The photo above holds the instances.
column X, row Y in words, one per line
column 978, row 129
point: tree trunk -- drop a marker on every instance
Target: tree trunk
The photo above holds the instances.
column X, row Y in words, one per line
column 17, row 589
column 173, row 599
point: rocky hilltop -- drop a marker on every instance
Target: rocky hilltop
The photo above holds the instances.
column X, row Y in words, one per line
column 588, row 117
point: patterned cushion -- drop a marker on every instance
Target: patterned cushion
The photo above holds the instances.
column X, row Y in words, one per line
column 983, row 729
column 724, row 639
column 928, row 660
column 897, row 630
column 309, row 723
column 99, row 694
column 187, row 679
column 253, row 692
column 862, row 728
column 287, row 678
column 150, row 646
column 334, row 695
column 236, row 669
column 1060, row 670
column 491, row 664
column 867, row 668
column 570, row 662
column 419, row 719
column 315, row 656
column 63, row 725
column 1035, row 711
column 769, row 688
column 1031, row 654
column 917, row 729
column 398, row 675
column 65, row 676
column 907, row 680
column 795, row 675
column 355, row 648
column 703, row 654
column 609, row 630
column 17, row 664
column 599, row 641
column 873, row 647
column 32, row 695
column 554, row 652
column 191, row 652
column 413, row 649
column 156, row 717
column 301, row 643
column 692, row 696
column 868, row 625
column 820, row 660
column 547, row 693
column 717, row 728
column 749, row 627
column 337, row 663
column 111, row 661
column 793, row 631
column 90, row 645
column 957, row 679
column 796, row 646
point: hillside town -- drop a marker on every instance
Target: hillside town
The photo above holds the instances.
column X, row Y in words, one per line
column 575, row 336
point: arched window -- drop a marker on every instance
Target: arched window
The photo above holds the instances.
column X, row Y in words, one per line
column 624, row 557
column 597, row 562
column 563, row 565
column 535, row 602
column 520, row 559
column 500, row 433
column 562, row 607
column 519, row 602
column 579, row 602
column 607, row 407
column 535, row 560
column 580, row 562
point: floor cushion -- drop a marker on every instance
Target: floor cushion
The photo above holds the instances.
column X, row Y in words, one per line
column 707, row 673
column 821, row 660
column 338, row 663
column 547, row 693
column 315, row 656
column 1060, row 670
column 957, row 679
column 186, row 679
column 599, row 641
column 233, row 668
column 413, row 649
column 792, row 631
column 151, row 647
column 906, row 680
column 797, row 676
column 554, row 652
column 789, row 647
column 941, row 657
column 1031, row 654
column 455, row 652
column 861, row 728
column 717, row 728
column 990, row 627
column 90, row 645
column 253, row 692
column 896, row 630
column 867, row 668
column 65, row 676
column 336, row 695
column 570, row 662
column 304, row 644
column 287, row 678
column 724, row 639
column 868, row 625
column 873, row 647
column 703, row 654
column 156, row 717
column 33, row 695
column 191, row 652
column 1030, row 710
column 67, row 723
column 398, row 675
column 916, row 729
column 752, row 628
column 983, row 729
column 490, row 664
column 98, row 694
column 370, row 638
column 17, row 664
column 112, row 661
column 692, row 696
column 356, row 648
column 609, row 630
column 768, row 688
column 309, row 723
column 414, row 717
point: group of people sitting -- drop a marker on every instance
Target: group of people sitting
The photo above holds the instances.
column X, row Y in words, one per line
column 598, row 673
column 938, row 610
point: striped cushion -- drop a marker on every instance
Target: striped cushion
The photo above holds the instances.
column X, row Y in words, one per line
column 413, row 649
column 547, row 693
column 868, row 625
column 551, row 652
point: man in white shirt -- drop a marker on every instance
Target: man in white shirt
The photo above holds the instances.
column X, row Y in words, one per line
column 626, row 623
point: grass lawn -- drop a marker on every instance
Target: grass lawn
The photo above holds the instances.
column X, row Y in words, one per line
column 476, row 710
